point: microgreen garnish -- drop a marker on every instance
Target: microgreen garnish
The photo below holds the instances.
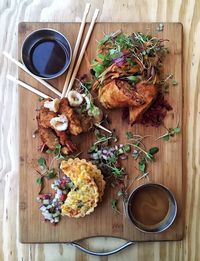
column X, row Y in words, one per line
column 40, row 99
column 171, row 132
column 42, row 162
column 129, row 135
column 88, row 85
column 126, row 148
column 39, row 180
column 103, row 138
column 50, row 174
column 140, row 151
column 174, row 82
column 147, row 156
column 114, row 205
column 164, row 84
column 136, row 50
column 120, row 193
column 46, row 171
column 108, row 37
column 117, row 172
column 57, row 152
column 108, row 158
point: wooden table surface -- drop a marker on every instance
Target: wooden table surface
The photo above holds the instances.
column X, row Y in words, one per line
column 14, row 11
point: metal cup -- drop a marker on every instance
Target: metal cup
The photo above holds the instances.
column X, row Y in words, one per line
column 162, row 225
column 39, row 36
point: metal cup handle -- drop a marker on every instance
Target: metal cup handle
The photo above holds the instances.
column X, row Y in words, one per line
column 107, row 253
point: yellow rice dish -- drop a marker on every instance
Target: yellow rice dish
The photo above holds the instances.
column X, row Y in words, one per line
column 88, row 189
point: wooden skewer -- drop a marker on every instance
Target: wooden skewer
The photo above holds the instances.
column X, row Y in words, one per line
column 82, row 51
column 41, row 94
column 47, row 85
column 80, row 33
column 28, row 87
column 102, row 127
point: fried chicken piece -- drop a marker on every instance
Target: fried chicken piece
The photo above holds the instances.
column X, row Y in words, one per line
column 74, row 123
column 118, row 94
column 48, row 137
column 44, row 117
column 65, row 141
column 148, row 92
column 87, row 122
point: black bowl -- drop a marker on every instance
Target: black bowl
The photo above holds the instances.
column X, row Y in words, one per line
column 46, row 53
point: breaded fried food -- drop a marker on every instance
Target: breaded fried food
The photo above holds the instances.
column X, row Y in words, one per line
column 89, row 187
column 74, row 122
column 48, row 137
column 87, row 122
column 65, row 141
column 44, row 117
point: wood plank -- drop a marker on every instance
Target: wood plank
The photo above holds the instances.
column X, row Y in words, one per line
column 167, row 170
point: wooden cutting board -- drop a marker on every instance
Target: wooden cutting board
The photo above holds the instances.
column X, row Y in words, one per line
column 167, row 169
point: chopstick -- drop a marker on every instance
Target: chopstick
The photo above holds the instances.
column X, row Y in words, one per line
column 28, row 87
column 80, row 33
column 47, row 85
column 67, row 87
column 82, row 51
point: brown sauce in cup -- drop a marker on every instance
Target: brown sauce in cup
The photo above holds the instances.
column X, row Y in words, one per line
column 149, row 206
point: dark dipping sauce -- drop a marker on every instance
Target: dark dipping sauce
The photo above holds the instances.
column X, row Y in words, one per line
column 149, row 206
column 49, row 57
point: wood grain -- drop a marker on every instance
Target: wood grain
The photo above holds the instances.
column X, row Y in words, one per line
column 167, row 170
column 184, row 11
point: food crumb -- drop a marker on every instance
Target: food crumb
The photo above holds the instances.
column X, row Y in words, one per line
column 160, row 27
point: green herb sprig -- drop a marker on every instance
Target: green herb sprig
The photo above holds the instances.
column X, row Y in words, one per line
column 102, row 139
column 49, row 173
column 57, row 152
column 164, row 84
column 171, row 132
column 140, row 151
column 114, row 205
